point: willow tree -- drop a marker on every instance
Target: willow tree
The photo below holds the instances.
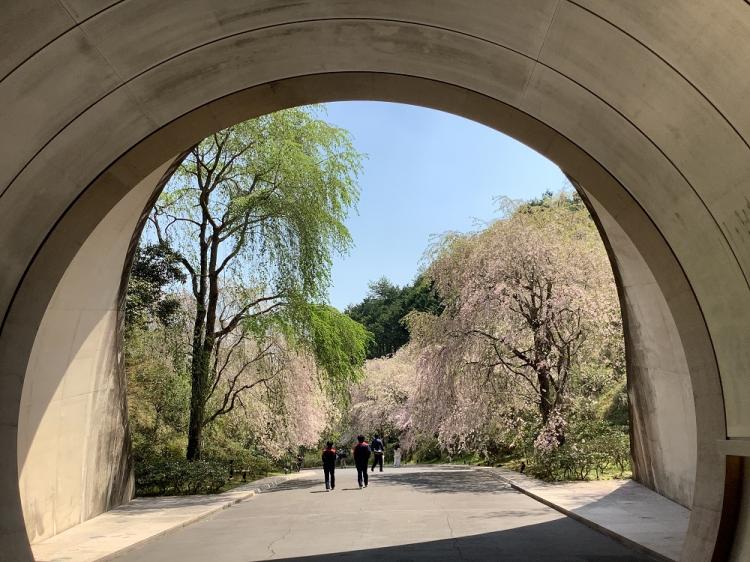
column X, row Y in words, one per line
column 527, row 300
column 255, row 214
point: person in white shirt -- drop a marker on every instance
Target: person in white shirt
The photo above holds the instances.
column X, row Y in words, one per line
column 396, row 456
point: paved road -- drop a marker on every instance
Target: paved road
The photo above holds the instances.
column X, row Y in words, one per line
column 420, row 513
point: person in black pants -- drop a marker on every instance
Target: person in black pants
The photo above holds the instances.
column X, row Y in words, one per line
column 361, row 454
column 378, row 452
column 329, row 466
column 342, row 455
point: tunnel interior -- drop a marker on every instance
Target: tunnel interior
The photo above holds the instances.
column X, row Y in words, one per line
column 79, row 380
column 634, row 111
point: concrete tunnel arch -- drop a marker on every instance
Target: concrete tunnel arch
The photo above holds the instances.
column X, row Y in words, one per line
column 629, row 100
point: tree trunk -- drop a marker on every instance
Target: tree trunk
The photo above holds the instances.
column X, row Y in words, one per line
column 197, row 404
column 204, row 339
column 197, row 376
column 545, row 402
column 195, row 429
column 199, row 365
column 548, row 403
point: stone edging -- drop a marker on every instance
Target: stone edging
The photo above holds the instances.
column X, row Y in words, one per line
column 573, row 515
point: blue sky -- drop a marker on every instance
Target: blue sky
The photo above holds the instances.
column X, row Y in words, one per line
column 427, row 172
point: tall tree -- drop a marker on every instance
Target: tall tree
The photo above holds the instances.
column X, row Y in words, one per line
column 254, row 215
column 154, row 326
column 155, row 268
column 383, row 310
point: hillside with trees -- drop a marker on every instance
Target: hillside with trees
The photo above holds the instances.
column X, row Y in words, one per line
column 384, row 309
column 507, row 348
column 523, row 361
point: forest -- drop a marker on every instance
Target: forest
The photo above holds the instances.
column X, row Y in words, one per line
column 507, row 348
column 521, row 363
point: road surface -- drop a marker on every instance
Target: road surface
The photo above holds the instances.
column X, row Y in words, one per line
column 412, row 513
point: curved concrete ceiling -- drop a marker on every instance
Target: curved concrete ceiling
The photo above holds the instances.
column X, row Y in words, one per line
column 642, row 103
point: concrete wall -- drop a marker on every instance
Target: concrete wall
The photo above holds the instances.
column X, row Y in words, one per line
column 662, row 410
column 73, row 445
column 643, row 103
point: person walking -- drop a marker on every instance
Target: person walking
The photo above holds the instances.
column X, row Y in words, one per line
column 342, row 454
column 378, row 451
column 329, row 466
column 361, row 454
column 397, row 456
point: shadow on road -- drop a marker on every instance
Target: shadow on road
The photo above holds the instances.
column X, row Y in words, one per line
column 456, row 481
column 561, row 540
column 301, row 484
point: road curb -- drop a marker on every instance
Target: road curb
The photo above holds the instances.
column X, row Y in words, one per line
column 250, row 490
column 573, row 515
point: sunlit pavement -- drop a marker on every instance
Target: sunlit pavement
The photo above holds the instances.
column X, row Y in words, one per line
column 415, row 513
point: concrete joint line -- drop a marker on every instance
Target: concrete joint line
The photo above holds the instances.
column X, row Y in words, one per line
column 738, row 447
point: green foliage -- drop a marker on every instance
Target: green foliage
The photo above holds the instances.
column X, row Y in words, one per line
column 312, row 459
column 570, row 200
column 591, row 448
column 155, row 267
column 338, row 343
column 178, row 476
column 254, row 467
column 280, row 192
column 383, row 310
column 255, row 214
column 613, row 405
column 426, row 450
column 158, row 391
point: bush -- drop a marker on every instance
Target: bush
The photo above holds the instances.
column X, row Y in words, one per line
column 178, row 477
column 427, row 450
column 313, row 459
column 591, row 447
column 256, row 467
column 613, row 406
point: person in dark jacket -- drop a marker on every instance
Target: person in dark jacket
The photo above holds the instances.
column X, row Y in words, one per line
column 361, row 454
column 378, row 452
column 329, row 466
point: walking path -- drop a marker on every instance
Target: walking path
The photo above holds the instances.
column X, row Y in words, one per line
column 622, row 509
column 418, row 513
column 142, row 519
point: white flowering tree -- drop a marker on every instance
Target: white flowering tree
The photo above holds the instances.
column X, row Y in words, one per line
column 527, row 300
column 380, row 403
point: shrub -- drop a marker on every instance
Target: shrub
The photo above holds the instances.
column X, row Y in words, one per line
column 427, row 450
column 256, row 467
column 313, row 459
column 592, row 447
column 178, row 476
